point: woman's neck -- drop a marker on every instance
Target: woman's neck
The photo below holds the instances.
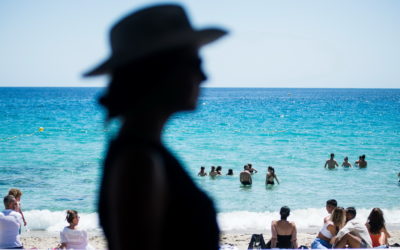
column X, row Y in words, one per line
column 148, row 126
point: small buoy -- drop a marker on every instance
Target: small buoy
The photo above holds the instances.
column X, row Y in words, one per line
column 41, row 129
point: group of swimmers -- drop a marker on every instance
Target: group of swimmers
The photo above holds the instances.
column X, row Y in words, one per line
column 215, row 171
column 332, row 163
column 340, row 229
column 245, row 176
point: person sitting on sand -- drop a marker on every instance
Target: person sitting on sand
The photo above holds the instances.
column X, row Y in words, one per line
column 284, row 233
column 354, row 234
column 330, row 206
column 213, row 172
column 230, row 172
column 346, row 163
column 377, row 228
column 336, row 221
column 251, row 169
column 17, row 194
column 245, row 176
column 202, row 171
column 271, row 176
column 10, row 224
column 71, row 237
column 361, row 163
column 331, row 163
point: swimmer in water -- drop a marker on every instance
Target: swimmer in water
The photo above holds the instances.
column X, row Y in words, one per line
column 331, row 163
column 271, row 176
column 346, row 163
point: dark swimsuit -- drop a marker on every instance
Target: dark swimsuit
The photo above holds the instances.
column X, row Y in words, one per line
column 271, row 182
column 284, row 241
column 189, row 218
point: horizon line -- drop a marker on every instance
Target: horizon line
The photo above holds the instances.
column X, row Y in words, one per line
column 207, row 87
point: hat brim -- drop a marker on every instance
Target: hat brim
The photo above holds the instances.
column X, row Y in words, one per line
column 198, row 38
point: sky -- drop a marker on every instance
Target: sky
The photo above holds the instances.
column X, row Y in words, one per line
column 271, row 43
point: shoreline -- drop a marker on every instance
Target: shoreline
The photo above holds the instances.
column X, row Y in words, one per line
column 45, row 240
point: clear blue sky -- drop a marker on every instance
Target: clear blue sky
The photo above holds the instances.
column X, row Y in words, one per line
column 272, row 43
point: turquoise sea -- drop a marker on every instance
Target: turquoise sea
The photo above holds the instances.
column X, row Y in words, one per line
column 293, row 130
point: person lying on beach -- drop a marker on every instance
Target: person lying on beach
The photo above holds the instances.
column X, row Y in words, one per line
column 251, row 169
column 346, row 163
column 245, row 176
column 10, row 224
column 336, row 221
column 361, row 163
column 71, row 236
column 202, row 171
column 271, row 176
column 331, row 163
column 17, row 194
column 284, row 233
column 354, row 234
column 230, row 172
column 377, row 228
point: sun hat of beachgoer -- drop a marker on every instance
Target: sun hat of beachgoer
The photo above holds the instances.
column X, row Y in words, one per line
column 151, row 30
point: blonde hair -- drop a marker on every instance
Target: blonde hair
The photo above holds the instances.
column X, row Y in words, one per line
column 338, row 217
column 15, row 192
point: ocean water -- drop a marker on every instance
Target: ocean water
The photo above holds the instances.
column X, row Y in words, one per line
column 293, row 130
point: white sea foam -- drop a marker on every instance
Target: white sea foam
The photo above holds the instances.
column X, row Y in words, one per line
column 55, row 221
column 305, row 219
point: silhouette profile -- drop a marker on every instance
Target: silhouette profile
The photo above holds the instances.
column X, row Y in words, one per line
column 155, row 71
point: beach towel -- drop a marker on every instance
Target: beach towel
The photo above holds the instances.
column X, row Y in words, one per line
column 257, row 242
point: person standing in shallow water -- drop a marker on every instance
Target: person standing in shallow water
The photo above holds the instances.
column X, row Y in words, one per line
column 346, row 163
column 155, row 72
column 202, row 171
column 271, row 176
column 331, row 163
column 361, row 163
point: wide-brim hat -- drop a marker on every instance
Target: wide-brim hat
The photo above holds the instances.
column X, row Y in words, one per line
column 151, row 30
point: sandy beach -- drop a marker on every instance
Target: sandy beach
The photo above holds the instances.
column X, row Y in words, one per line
column 45, row 240
column 241, row 240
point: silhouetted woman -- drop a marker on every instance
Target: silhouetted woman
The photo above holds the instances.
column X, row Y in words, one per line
column 155, row 71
